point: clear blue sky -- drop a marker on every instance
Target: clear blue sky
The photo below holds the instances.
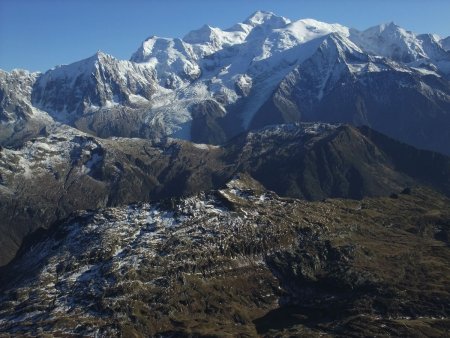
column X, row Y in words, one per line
column 39, row 34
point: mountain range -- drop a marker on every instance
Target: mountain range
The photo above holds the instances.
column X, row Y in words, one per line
column 214, row 84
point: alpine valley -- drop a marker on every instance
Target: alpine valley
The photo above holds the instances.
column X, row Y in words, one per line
column 277, row 178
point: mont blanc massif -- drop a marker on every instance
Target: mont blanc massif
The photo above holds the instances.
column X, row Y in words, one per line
column 277, row 178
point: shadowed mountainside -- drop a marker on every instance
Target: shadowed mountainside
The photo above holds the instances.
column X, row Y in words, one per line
column 51, row 177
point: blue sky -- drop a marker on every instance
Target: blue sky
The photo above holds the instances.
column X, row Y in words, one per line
column 38, row 35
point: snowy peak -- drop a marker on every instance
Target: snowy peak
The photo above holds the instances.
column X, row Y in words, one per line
column 395, row 43
column 433, row 49
column 390, row 32
column 90, row 84
column 207, row 40
column 83, row 68
column 201, row 35
column 277, row 41
column 211, row 39
column 267, row 19
column 391, row 41
column 173, row 60
column 340, row 48
column 385, row 28
column 154, row 46
column 101, row 56
column 306, row 29
column 299, row 34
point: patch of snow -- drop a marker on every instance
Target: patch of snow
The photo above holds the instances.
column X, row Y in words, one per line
column 425, row 71
column 202, row 146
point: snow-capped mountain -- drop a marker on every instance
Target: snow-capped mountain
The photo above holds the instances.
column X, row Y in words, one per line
column 100, row 81
column 215, row 83
column 394, row 42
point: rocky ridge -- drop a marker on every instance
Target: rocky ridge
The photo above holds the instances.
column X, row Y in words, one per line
column 50, row 177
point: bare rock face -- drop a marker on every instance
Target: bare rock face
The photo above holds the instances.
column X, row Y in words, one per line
column 19, row 119
column 240, row 260
column 99, row 81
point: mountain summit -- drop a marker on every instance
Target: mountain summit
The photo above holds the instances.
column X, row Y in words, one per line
column 267, row 19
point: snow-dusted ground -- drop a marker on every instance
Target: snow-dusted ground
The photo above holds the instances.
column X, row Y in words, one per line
column 96, row 251
column 44, row 154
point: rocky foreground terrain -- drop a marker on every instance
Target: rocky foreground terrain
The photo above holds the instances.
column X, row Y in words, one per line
column 240, row 261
